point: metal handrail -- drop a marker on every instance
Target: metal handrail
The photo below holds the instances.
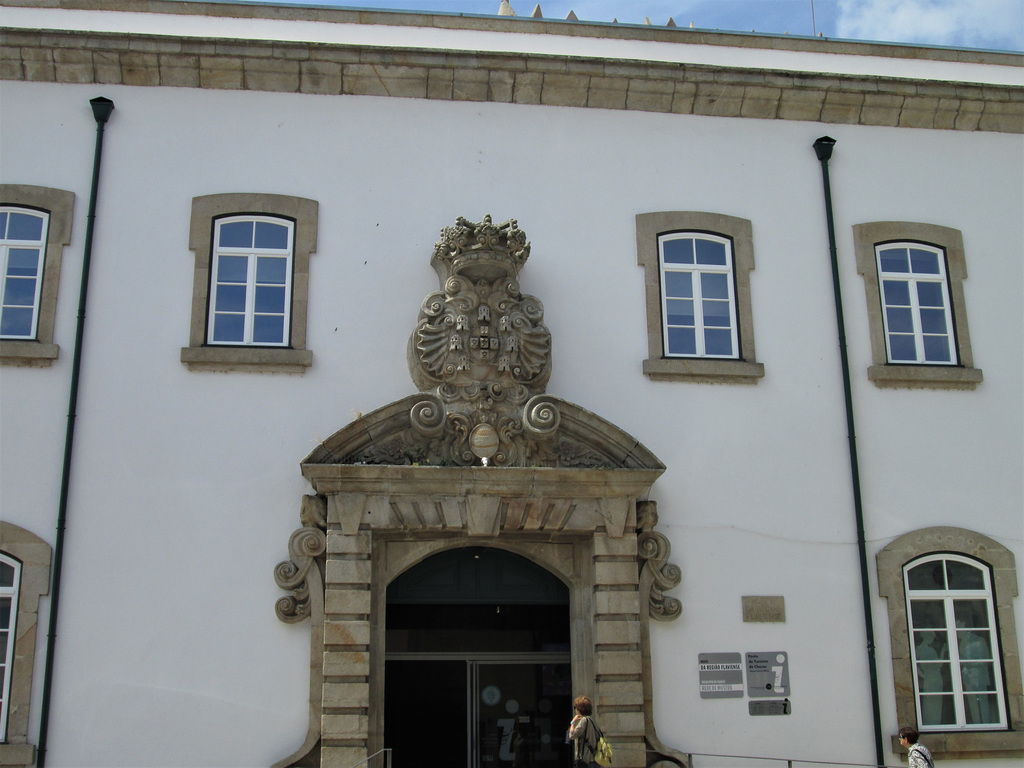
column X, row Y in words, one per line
column 387, row 761
column 789, row 761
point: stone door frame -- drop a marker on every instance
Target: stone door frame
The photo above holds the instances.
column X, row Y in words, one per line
column 369, row 523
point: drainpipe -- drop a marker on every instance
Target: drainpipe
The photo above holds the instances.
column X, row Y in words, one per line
column 823, row 149
column 101, row 109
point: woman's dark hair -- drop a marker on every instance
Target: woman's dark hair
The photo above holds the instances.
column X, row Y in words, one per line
column 582, row 705
column 909, row 733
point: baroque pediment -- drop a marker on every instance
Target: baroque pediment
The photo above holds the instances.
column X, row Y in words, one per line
column 480, row 356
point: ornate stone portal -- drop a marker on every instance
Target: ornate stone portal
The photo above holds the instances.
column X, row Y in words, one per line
column 482, row 456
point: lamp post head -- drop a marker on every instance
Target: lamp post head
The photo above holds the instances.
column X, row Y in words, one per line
column 101, row 108
column 823, row 147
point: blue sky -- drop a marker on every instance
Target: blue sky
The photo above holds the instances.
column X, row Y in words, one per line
column 988, row 24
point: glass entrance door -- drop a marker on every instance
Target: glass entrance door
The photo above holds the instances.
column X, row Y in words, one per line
column 481, row 712
column 521, row 714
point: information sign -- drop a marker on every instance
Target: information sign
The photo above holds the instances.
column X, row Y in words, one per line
column 769, row 707
column 721, row 675
column 768, row 674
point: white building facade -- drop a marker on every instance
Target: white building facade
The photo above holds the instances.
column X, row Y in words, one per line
column 503, row 460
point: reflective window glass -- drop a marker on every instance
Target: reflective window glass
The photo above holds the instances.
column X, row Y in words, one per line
column 251, row 291
column 964, row 575
column 25, row 226
column 22, row 244
column 698, row 303
column 958, row 683
column 916, row 310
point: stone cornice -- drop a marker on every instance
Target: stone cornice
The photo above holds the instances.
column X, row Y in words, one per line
column 529, row 25
column 325, row 69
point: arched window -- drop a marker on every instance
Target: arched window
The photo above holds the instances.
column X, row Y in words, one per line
column 35, row 225
column 955, row 658
column 958, row 678
column 250, row 288
column 700, row 326
column 10, row 580
column 22, row 251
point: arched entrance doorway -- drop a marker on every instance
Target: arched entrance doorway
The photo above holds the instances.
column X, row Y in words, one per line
column 477, row 662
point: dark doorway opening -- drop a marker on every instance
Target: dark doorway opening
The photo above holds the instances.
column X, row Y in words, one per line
column 477, row 663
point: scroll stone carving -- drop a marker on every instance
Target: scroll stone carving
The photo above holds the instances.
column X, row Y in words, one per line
column 653, row 550
column 302, row 573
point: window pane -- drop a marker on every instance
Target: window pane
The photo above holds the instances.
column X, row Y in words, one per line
column 897, row 292
column 893, row 260
column 270, row 298
column 927, row 576
column 19, row 292
column 6, row 575
column 927, row 614
column 936, row 349
column 900, row 319
column 930, row 294
column 236, row 234
column 934, row 678
column 964, row 576
column 271, row 270
column 714, row 285
column 929, row 646
column 937, row 710
column 679, row 285
column 3, row 651
column 978, row 676
column 924, row 262
column 680, row 311
column 271, row 235
column 678, row 251
column 902, row 347
column 5, row 613
column 981, row 709
column 16, row 321
column 932, row 321
column 232, row 269
column 716, row 314
column 974, row 644
column 3, row 224
column 228, row 327
column 24, row 226
column 682, row 341
column 971, row 613
column 268, row 329
column 23, row 262
column 230, row 298
column 717, row 342
column 710, row 252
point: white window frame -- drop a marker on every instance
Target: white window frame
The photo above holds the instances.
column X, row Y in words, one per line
column 882, row 372
column 697, row 271
column 913, row 280
column 948, row 597
column 12, row 634
column 252, row 254
column 6, row 244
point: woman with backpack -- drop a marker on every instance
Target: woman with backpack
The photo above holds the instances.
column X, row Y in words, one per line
column 584, row 733
column 918, row 755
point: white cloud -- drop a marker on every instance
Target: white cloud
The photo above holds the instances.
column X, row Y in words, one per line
column 964, row 23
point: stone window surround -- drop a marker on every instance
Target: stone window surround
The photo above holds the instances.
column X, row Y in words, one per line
column 889, row 563
column 745, row 370
column 41, row 351
column 916, row 376
column 293, row 359
column 34, row 554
